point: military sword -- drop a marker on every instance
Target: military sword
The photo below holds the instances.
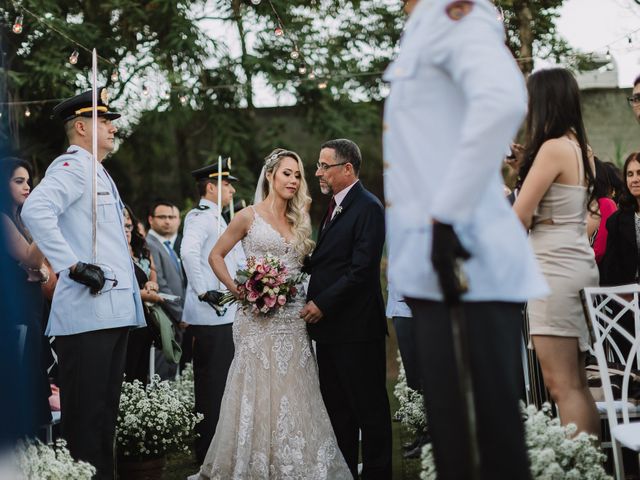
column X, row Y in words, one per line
column 94, row 152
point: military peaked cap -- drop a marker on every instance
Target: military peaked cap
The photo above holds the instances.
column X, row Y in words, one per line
column 81, row 106
column 211, row 171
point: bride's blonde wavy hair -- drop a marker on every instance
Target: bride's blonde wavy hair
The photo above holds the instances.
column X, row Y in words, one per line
column 297, row 212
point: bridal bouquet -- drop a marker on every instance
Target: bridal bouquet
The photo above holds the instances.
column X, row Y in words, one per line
column 265, row 285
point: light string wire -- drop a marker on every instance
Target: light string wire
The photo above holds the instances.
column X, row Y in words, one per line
column 281, row 25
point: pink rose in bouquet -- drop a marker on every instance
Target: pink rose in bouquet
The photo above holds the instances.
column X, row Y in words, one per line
column 265, row 285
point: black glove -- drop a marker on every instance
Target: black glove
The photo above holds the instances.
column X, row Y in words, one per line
column 446, row 253
column 88, row 274
column 213, row 298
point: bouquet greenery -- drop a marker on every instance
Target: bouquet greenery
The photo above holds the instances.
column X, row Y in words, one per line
column 39, row 461
column 153, row 420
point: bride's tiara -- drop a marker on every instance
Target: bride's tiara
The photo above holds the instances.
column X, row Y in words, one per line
column 273, row 158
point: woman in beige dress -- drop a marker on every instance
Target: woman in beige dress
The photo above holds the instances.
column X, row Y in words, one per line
column 556, row 191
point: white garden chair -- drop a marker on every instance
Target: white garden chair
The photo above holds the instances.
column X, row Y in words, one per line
column 604, row 308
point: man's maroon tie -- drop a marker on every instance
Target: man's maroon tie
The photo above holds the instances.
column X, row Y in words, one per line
column 332, row 206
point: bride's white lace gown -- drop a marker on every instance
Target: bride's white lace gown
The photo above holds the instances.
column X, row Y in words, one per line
column 273, row 423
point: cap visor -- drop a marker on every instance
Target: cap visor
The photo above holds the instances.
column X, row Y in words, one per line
column 232, row 178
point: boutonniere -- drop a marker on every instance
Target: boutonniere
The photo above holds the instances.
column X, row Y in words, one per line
column 338, row 211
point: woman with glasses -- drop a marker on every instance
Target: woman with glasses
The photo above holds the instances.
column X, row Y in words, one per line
column 137, row 361
column 557, row 179
column 30, row 270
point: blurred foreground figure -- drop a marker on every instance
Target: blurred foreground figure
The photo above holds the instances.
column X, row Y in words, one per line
column 457, row 99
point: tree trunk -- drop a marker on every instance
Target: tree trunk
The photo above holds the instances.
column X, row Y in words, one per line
column 525, row 30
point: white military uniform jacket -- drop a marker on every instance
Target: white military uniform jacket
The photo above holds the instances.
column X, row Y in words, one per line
column 58, row 216
column 199, row 235
column 457, row 99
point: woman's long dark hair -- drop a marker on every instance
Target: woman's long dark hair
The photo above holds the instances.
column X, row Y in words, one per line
column 8, row 167
column 138, row 243
column 627, row 201
column 554, row 110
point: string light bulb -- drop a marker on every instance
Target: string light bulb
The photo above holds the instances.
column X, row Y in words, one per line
column 145, row 90
column 114, row 76
column 312, row 75
column 183, row 100
column 630, row 41
column 73, row 58
column 27, row 112
column 302, row 69
column 295, row 54
column 608, row 55
column 278, row 31
column 17, row 25
column 322, row 85
column 256, row 2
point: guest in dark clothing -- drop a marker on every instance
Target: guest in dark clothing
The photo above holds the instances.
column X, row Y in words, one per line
column 137, row 361
column 621, row 260
column 30, row 268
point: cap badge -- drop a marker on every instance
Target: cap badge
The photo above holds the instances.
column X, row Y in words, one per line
column 104, row 96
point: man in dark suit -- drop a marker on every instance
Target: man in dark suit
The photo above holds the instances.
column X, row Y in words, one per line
column 164, row 222
column 345, row 312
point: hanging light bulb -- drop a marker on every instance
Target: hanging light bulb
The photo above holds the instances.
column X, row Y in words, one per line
column 322, row 85
column 183, row 99
column 17, row 25
column 630, row 41
column 73, row 58
column 295, row 54
column 114, row 76
column 312, row 75
column 302, row 70
column 27, row 112
column 278, row 31
column 256, row 2
column 166, row 95
column 608, row 55
column 145, row 90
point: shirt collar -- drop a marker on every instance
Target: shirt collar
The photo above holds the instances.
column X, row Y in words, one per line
column 78, row 149
column 162, row 239
column 212, row 205
column 339, row 197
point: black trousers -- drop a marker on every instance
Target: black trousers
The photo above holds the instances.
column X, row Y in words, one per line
column 494, row 344
column 91, row 367
column 353, row 386
column 212, row 355
column 404, row 331
column 137, row 359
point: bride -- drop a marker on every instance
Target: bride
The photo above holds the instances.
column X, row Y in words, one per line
column 273, row 423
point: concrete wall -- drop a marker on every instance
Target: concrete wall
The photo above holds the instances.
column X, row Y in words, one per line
column 611, row 127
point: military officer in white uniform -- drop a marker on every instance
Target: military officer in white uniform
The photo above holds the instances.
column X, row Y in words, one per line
column 210, row 323
column 457, row 98
column 95, row 304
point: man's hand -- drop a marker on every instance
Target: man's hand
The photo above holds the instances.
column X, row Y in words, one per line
column 446, row 252
column 310, row 313
column 88, row 274
column 213, row 297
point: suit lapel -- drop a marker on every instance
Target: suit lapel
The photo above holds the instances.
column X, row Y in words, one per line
column 348, row 200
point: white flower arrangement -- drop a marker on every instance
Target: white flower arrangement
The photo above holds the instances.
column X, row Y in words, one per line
column 411, row 410
column 35, row 461
column 555, row 452
column 154, row 420
column 184, row 384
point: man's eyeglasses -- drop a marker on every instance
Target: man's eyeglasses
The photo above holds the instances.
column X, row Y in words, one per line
column 110, row 280
column 634, row 99
column 325, row 166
